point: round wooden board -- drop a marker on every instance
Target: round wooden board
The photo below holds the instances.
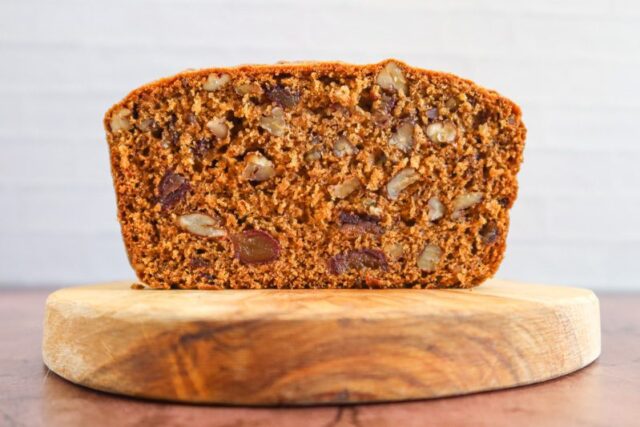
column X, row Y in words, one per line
column 265, row 347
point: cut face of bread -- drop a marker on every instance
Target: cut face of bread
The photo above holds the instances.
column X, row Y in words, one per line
column 314, row 175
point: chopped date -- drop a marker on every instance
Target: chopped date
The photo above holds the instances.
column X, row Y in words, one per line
column 201, row 147
column 172, row 189
column 283, row 96
column 197, row 262
column 489, row 233
column 358, row 259
column 360, row 222
column 255, row 247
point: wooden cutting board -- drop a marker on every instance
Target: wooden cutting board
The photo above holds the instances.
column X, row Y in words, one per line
column 270, row 347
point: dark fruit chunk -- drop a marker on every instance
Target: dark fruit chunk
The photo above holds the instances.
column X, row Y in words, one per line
column 172, row 189
column 489, row 233
column 255, row 247
column 201, row 147
column 360, row 222
column 283, row 96
column 357, row 259
column 197, row 262
column 384, row 109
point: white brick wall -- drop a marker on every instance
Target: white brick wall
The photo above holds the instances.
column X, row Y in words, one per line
column 572, row 65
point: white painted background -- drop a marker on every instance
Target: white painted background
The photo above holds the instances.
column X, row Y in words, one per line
column 572, row 65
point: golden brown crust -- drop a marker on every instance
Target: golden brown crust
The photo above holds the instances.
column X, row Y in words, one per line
column 321, row 240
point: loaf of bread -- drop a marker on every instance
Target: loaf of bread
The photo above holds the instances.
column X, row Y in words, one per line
column 314, row 175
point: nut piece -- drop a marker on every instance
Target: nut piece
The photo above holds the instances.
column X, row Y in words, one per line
column 402, row 180
column 120, row 120
column 392, row 79
column 465, row 201
column 357, row 259
column 441, row 132
column 403, row 138
column 394, row 251
column 248, row 89
column 345, row 188
column 258, row 168
column 342, row 147
column 215, row 82
column 436, row 209
column 429, row 258
column 312, row 155
column 255, row 247
column 201, row 225
column 275, row 122
column 218, row 127
column 172, row 189
column 146, row 125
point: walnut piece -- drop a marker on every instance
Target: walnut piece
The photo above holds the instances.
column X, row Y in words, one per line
column 248, row 89
column 442, row 132
column 313, row 155
column 342, row 147
column 394, row 251
column 400, row 181
column 216, row 81
column 403, row 138
column 257, row 167
column 436, row 209
column 218, row 127
column 392, row 79
column 146, row 125
column 121, row 120
column 275, row 122
column 345, row 188
column 201, row 225
column 465, row 201
column 429, row 257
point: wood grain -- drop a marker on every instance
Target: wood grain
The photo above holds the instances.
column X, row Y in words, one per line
column 325, row 346
column 603, row 394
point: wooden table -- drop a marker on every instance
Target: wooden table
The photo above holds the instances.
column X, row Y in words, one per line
column 607, row 393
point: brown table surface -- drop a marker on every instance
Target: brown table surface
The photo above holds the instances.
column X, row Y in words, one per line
column 606, row 393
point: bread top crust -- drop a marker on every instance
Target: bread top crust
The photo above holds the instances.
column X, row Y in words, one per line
column 302, row 67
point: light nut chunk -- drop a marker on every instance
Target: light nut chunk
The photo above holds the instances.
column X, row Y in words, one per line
column 274, row 123
column 218, row 127
column 403, row 138
column 394, row 251
column 216, row 81
column 345, row 188
column 400, row 181
column 442, row 132
column 201, row 225
column 342, row 147
column 465, row 201
column 436, row 209
column 429, row 258
column 391, row 78
column 313, row 155
column 258, row 168
column 248, row 89
column 121, row 120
